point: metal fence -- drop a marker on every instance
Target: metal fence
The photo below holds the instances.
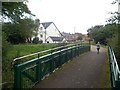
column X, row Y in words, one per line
column 114, row 69
column 28, row 73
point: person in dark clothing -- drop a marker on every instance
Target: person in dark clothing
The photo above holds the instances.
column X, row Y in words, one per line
column 98, row 47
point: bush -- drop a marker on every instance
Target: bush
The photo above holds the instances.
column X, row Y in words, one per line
column 36, row 40
column 116, row 46
column 41, row 41
column 5, row 44
column 6, row 62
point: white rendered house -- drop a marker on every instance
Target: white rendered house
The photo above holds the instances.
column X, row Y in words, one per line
column 49, row 33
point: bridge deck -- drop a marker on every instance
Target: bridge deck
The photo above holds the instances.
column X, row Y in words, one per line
column 85, row 71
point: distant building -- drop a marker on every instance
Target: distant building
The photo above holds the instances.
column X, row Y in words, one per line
column 85, row 37
column 78, row 36
column 71, row 37
column 49, row 33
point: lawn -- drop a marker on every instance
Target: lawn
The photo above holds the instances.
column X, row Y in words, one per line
column 17, row 51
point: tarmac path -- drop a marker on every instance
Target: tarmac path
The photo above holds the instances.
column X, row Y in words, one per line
column 83, row 71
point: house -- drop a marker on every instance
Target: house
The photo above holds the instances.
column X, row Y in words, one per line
column 86, row 37
column 69, row 37
column 53, row 39
column 49, row 33
column 72, row 37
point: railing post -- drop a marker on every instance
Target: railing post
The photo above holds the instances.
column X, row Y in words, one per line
column 38, row 71
column 67, row 54
column 60, row 63
column 71, row 54
column 75, row 50
column 89, row 47
column 17, row 77
column 78, row 50
column 51, row 64
column 117, row 84
column 63, row 56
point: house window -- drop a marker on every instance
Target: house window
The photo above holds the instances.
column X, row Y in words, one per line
column 41, row 35
column 41, row 28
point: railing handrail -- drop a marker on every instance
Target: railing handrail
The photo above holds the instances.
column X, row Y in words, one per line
column 114, row 60
column 41, row 52
column 28, row 73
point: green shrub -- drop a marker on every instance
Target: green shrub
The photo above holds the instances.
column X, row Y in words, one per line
column 116, row 47
column 5, row 44
column 36, row 40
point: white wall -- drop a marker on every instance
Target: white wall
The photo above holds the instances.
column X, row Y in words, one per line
column 50, row 40
column 41, row 32
column 50, row 31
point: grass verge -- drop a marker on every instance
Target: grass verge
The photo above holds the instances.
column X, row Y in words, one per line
column 105, row 76
column 17, row 51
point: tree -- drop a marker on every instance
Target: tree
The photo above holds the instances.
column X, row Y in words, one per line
column 37, row 24
column 5, row 44
column 20, row 29
column 115, row 18
column 93, row 31
column 36, row 40
column 27, row 27
column 115, row 40
column 20, row 32
column 15, row 10
column 13, row 33
column 79, row 38
column 102, row 33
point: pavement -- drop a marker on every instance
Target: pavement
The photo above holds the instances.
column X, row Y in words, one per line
column 83, row 71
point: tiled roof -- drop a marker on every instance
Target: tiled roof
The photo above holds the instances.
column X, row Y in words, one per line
column 56, row 38
column 46, row 24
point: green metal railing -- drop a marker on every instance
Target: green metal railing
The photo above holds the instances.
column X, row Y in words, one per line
column 28, row 73
column 114, row 69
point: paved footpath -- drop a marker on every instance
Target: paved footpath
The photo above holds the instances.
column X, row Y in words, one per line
column 83, row 71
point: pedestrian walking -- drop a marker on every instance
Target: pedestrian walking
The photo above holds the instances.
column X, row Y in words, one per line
column 98, row 47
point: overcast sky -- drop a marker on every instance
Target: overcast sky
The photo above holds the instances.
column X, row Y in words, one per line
column 67, row 14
